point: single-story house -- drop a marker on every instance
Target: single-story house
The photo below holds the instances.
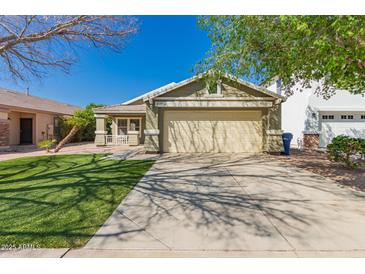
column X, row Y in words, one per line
column 27, row 119
column 315, row 121
column 231, row 116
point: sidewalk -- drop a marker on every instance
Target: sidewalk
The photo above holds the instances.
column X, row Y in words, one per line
column 110, row 253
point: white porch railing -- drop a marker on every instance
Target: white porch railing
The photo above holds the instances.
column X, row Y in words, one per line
column 116, row 139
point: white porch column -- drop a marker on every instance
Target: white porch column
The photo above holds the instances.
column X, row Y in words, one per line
column 100, row 131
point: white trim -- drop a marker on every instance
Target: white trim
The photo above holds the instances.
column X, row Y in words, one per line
column 101, row 116
column 116, row 140
column 341, row 108
column 214, row 104
column 119, row 111
column 214, row 98
column 151, row 132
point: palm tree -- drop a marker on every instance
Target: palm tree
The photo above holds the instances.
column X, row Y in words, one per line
column 81, row 119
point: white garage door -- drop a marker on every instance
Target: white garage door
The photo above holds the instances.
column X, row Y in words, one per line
column 333, row 125
column 212, row 131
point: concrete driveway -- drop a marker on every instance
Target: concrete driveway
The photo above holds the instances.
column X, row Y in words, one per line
column 234, row 203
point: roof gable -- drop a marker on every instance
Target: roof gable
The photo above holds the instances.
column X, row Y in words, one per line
column 191, row 87
column 250, row 88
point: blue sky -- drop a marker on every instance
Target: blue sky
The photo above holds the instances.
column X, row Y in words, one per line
column 165, row 50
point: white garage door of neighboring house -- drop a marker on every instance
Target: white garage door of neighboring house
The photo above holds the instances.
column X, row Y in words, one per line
column 332, row 125
column 212, row 131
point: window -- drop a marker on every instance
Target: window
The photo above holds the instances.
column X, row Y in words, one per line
column 134, row 125
column 128, row 124
column 122, row 126
column 350, row 117
column 325, row 117
column 363, row 117
column 343, row 117
column 214, row 87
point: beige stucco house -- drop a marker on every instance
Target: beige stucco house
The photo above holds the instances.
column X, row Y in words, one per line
column 27, row 119
column 234, row 116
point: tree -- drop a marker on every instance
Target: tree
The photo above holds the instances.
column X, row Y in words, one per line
column 330, row 49
column 88, row 133
column 81, row 119
column 30, row 45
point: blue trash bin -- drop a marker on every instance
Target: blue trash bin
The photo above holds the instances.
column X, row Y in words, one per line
column 287, row 137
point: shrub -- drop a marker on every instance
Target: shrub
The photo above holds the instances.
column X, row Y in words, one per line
column 362, row 148
column 345, row 149
column 47, row 144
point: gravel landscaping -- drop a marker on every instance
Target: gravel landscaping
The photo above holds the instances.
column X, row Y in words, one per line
column 317, row 162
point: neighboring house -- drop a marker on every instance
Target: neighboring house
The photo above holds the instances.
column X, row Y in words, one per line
column 27, row 119
column 234, row 116
column 317, row 121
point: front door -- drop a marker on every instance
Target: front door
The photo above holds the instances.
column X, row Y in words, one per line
column 26, row 130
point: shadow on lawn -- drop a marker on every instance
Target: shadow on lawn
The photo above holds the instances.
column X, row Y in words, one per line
column 61, row 200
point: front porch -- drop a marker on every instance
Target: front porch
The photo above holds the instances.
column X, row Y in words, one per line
column 130, row 139
column 26, row 127
column 118, row 127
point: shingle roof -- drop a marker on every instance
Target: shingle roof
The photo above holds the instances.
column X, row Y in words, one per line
column 9, row 98
column 121, row 108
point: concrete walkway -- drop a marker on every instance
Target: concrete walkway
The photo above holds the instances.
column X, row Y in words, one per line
column 73, row 148
column 225, row 203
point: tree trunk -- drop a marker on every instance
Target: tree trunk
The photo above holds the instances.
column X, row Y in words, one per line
column 67, row 139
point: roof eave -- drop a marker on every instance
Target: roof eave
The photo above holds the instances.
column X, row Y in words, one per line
column 256, row 87
column 118, row 112
column 164, row 91
column 227, row 76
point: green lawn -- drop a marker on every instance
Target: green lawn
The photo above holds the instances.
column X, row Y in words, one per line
column 61, row 201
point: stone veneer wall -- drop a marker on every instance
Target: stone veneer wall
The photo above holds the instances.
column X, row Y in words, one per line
column 4, row 133
column 311, row 141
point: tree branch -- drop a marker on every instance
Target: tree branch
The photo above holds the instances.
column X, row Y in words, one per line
column 29, row 44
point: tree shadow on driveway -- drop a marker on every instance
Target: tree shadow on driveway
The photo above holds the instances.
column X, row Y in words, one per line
column 220, row 202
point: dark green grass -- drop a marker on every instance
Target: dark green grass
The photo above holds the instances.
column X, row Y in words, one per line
column 61, row 201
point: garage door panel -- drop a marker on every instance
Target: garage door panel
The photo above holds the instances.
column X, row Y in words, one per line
column 329, row 130
column 212, row 131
